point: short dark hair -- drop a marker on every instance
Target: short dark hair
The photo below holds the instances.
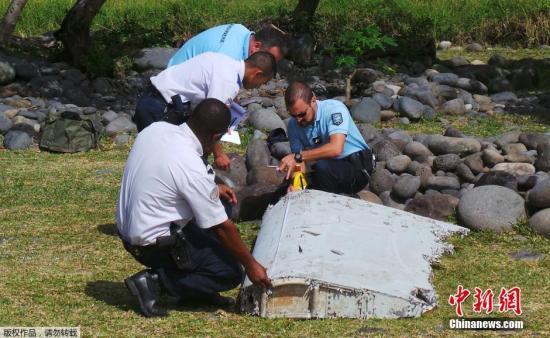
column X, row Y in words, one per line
column 269, row 36
column 211, row 116
column 297, row 90
column 264, row 61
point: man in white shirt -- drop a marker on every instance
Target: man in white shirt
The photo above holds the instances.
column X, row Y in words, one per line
column 171, row 219
column 209, row 75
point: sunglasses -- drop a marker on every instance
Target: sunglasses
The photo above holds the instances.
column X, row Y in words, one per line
column 299, row 115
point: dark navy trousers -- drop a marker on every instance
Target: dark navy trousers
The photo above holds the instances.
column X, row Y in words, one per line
column 338, row 176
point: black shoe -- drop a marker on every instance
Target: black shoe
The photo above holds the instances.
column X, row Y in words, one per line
column 142, row 285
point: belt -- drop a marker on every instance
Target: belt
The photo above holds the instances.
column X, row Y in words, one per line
column 362, row 160
column 152, row 91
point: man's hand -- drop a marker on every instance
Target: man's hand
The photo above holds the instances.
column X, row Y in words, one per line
column 222, row 161
column 258, row 274
column 288, row 164
column 227, row 193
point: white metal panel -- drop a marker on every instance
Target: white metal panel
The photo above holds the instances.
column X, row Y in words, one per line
column 353, row 259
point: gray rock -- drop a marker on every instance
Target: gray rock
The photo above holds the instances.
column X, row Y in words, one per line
column 454, row 107
column 404, row 121
column 367, row 110
column 257, row 154
column 17, row 140
column 109, row 116
column 387, row 115
column 154, row 58
column 532, row 141
column 121, row 124
column 103, row 85
column 410, row 108
column 453, row 132
column 251, row 108
column 384, row 101
column 542, row 163
column 492, row 157
column 520, row 158
column 451, row 145
column 267, row 102
column 491, row 207
column 35, row 125
column 448, row 79
column 540, row 222
column 406, row 187
column 423, row 95
column 368, row 132
column 121, row 140
column 465, row 173
column 390, row 202
column 526, row 182
column 7, row 74
column 504, row 97
column 385, row 150
column 416, row 150
column 499, row 84
column 506, row 138
column 513, row 148
column 381, row 180
column 26, row 70
column 526, row 254
column 474, row 162
column 33, row 115
column 266, row 119
column 447, row 162
column 435, row 205
column 457, row 61
column 498, row 61
column 428, row 113
column 280, row 149
column 5, row 123
column 539, row 196
column 444, row 45
column 516, row 169
column 398, row 164
column 445, row 92
column 441, row 183
column 252, row 201
column 399, row 135
column 474, row 47
column 369, row 196
column 236, row 175
column 500, row 178
column 264, row 175
column 421, row 81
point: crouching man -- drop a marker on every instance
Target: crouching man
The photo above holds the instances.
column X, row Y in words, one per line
column 323, row 132
column 170, row 217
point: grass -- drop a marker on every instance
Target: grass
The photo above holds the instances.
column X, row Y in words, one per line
column 62, row 264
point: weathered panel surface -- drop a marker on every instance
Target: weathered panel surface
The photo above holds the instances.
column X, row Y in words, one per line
column 334, row 256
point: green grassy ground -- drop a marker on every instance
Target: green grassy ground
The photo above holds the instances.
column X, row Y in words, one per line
column 62, row 264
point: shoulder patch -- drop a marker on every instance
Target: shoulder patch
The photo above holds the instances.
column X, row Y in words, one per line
column 215, row 194
column 337, row 119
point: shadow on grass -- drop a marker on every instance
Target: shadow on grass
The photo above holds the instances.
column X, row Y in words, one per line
column 108, row 229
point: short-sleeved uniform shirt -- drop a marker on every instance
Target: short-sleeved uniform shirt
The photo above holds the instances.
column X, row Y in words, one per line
column 332, row 117
column 208, row 75
column 232, row 40
column 164, row 181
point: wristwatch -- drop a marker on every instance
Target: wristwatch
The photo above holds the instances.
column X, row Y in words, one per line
column 298, row 157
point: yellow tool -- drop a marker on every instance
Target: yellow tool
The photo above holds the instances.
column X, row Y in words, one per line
column 299, row 181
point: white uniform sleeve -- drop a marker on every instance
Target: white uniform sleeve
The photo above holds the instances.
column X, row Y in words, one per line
column 201, row 193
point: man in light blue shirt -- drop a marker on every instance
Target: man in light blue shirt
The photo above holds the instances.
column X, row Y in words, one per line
column 233, row 40
column 323, row 131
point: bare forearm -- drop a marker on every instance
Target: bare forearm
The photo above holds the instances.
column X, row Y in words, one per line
column 217, row 149
column 323, row 152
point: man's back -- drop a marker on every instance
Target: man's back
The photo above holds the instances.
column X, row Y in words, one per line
column 231, row 40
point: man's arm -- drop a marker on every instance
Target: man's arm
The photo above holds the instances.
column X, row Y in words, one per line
column 230, row 238
column 221, row 160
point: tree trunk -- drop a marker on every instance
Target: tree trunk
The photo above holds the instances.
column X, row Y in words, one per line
column 10, row 19
column 306, row 7
column 75, row 29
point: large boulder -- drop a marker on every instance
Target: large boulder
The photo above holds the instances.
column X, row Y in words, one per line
column 410, row 108
column 154, row 58
column 266, row 175
column 436, row 206
column 491, row 207
column 266, row 119
column 516, row 169
column 17, row 140
column 543, row 160
column 252, row 201
column 539, row 196
column 447, row 162
column 367, row 110
column 236, row 175
column 385, row 150
column 440, row 145
column 381, row 180
column 540, row 222
column 406, row 187
column 500, row 178
column 257, row 154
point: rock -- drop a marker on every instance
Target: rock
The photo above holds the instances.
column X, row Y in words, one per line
column 499, row 84
column 369, row 196
column 385, row 150
column 257, row 154
column 441, row 183
column 7, row 74
column 26, row 71
column 491, row 207
column 448, row 79
column 367, row 75
column 453, row 132
column 423, row 170
column 154, row 58
column 17, row 140
column 474, row 162
column 74, row 75
column 398, row 164
column 399, row 135
column 264, row 175
column 436, row 206
column 526, row 182
column 498, row 61
column 504, row 97
column 541, row 164
column 444, row 45
column 500, row 178
column 532, row 141
column 404, row 121
column 516, row 169
column 539, row 196
column 368, row 132
column 474, row 47
column 428, row 113
column 367, row 110
column 252, row 201
column 121, row 124
column 387, row 115
column 103, row 85
column 514, row 148
column 457, row 61
column 25, row 121
column 280, row 150
column 523, row 78
column 381, row 180
column 520, row 158
column 410, row 108
column 465, row 173
column 109, row 116
column 406, row 187
column 492, row 157
column 121, row 140
column 454, row 107
column 301, row 49
column 452, row 145
column 18, row 102
column 420, row 81
column 384, row 101
column 236, row 176
column 266, row 119
column 37, row 115
column 526, row 254
column 445, row 92
column 388, row 201
column 5, row 123
column 416, row 150
column 540, row 222
column 447, row 162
